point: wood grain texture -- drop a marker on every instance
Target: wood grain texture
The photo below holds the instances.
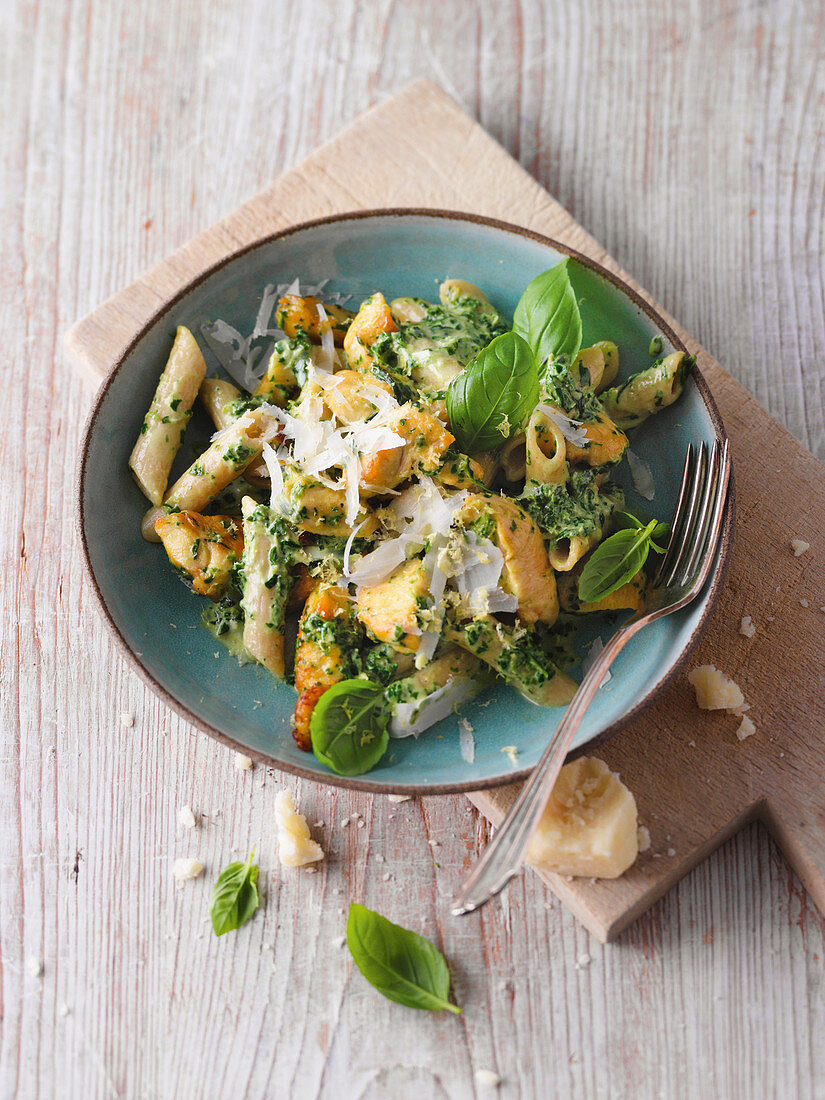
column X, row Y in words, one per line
column 134, row 127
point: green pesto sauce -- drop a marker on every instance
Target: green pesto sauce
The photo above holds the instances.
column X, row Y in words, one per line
column 575, row 510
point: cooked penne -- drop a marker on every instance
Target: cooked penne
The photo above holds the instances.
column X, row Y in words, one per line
column 266, row 585
column 217, row 395
column 546, row 457
column 162, row 430
column 225, row 459
column 647, row 392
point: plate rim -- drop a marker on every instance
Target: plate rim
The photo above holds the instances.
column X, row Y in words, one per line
column 358, row 782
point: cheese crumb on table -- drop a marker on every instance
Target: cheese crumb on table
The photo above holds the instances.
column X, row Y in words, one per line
column 746, row 627
column 715, row 690
column 588, row 828
column 486, row 1079
column 242, row 762
column 184, row 869
column 187, row 818
column 64, row 1010
column 799, row 547
column 746, row 728
column 127, row 720
column 35, row 966
column 643, row 838
column 296, row 848
column 399, row 797
column 804, row 603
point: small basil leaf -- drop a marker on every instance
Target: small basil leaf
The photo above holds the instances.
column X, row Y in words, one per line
column 661, row 533
column 548, row 316
column 403, row 966
column 234, row 896
column 349, row 727
column 493, row 395
column 614, row 562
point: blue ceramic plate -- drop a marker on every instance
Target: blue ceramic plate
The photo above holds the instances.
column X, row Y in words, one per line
column 156, row 619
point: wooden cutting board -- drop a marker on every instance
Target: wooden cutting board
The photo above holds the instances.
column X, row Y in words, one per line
column 695, row 783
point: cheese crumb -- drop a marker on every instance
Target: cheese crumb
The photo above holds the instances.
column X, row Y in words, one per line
column 746, row 627
column 486, row 1079
column 511, row 752
column 399, row 797
column 187, row 818
column 35, row 966
column 583, row 960
column 714, row 690
column 242, row 763
column 643, row 838
column 799, row 547
column 338, row 941
column 804, row 603
column 295, row 846
column 746, row 728
column 127, row 720
column 64, row 1010
column 184, row 869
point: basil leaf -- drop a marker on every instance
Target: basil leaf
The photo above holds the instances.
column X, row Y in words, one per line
column 493, row 395
column 234, row 896
column 349, row 727
column 614, row 562
column 548, row 316
column 403, row 966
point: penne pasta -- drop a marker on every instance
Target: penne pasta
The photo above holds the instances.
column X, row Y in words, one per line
column 162, row 430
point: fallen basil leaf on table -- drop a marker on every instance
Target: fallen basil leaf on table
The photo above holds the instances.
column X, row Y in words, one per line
column 547, row 315
column 616, row 561
column 493, row 395
column 349, row 726
column 234, row 896
column 402, row 965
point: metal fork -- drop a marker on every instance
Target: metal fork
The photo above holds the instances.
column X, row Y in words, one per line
column 697, row 524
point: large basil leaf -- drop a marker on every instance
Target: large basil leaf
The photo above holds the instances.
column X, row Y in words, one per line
column 403, row 966
column 548, row 316
column 235, row 896
column 349, row 727
column 494, row 394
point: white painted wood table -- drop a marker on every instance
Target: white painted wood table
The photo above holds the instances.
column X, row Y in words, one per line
column 689, row 139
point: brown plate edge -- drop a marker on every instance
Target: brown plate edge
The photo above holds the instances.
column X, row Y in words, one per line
column 356, row 783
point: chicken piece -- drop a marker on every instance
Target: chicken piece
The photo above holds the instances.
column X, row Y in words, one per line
column 296, row 314
column 350, row 399
column 318, row 509
column 373, row 318
column 301, row 589
column 320, row 661
column 458, row 471
column 608, row 443
column 630, row 597
column 426, row 441
column 204, row 548
column 389, row 610
column 526, row 572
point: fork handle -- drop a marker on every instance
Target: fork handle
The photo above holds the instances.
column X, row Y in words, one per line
column 505, row 852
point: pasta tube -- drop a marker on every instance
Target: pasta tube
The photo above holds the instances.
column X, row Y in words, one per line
column 216, row 394
column 162, row 430
column 647, row 392
column 266, row 585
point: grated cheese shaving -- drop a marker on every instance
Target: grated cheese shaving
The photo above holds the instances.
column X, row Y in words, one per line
column 641, row 474
column 571, row 429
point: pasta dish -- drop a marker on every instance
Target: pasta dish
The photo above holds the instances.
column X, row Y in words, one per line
column 410, row 501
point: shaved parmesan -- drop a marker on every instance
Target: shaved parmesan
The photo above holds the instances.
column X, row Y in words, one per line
column 715, row 690
column 591, row 658
column 641, row 474
column 466, row 741
column 410, row 719
column 572, row 430
column 327, row 358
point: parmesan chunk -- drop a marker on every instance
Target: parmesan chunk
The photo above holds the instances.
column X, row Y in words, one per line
column 643, row 838
column 242, row 762
column 799, row 547
column 487, row 1079
column 184, row 869
column 399, row 797
column 589, row 825
column 186, row 817
column 746, row 728
column 714, row 690
column 296, row 848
